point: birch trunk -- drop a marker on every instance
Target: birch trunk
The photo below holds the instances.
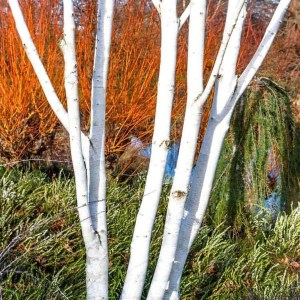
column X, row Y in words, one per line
column 187, row 148
column 210, row 151
column 203, row 178
column 140, row 244
column 211, row 145
column 96, row 169
column 90, row 236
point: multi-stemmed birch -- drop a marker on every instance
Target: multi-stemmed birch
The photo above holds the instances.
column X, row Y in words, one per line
column 87, row 152
column 188, row 142
column 180, row 187
column 189, row 197
column 91, row 239
column 140, row 245
column 224, row 86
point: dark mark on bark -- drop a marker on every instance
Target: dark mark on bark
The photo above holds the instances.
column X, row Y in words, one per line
column 165, row 143
column 179, row 194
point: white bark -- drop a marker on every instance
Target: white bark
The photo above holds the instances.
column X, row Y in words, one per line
column 91, row 238
column 96, row 170
column 187, row 149
column 228, row 30
column 157, row 4
column 211, row 147
column 140, row 244
column 40, row 70
column 38, row 67
column 184, row 16
column 222, row 115
column 259, row 55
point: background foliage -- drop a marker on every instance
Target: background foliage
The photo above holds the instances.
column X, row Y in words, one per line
column 28, row 128
column 260, row 157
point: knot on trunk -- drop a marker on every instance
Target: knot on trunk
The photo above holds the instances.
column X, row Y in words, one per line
column 179, row 194
column 165, row 144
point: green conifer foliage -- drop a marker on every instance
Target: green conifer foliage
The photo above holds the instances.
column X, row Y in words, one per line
column 260, row 156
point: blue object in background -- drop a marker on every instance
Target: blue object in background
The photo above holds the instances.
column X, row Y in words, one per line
column 171, row 158
column 145, row 152
column 273, row 204
column 171, row 161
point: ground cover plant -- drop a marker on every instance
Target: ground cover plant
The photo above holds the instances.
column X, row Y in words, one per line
column 41, row 253
column 41, row 246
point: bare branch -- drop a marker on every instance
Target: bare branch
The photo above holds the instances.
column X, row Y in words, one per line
column 201, row 98
column 184, row 16
column 258, row 57
column 157, row 4
column 41, row 72
column 37, row 65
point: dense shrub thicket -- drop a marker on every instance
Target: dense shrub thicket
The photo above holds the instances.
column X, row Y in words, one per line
column 28, row 127
column 42, row 256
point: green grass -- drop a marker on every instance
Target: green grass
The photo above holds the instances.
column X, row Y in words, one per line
column 42, row 254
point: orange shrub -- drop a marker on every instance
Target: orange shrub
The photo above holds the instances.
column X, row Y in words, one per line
column 27, row 124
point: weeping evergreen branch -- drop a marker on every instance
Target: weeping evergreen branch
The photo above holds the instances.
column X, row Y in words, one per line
column 260, row 156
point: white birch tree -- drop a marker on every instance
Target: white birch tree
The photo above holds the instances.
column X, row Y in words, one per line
column 189, row 197
column 140, row 245
column 87, row 152
column 190, row 133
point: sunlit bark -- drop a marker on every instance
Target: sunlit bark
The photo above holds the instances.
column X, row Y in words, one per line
column 91, row 238
column 187, row 150
column 96, row 161
column 140, row 244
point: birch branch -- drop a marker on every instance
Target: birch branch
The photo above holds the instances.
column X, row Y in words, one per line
column 157, row 5
column 38, row 67
column 258, row 57
column 71, row 87
column 201, row 98
column 184, row 16
column 40, row 70
column 187, row 149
